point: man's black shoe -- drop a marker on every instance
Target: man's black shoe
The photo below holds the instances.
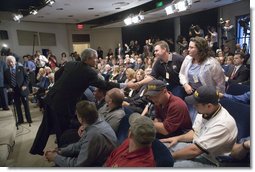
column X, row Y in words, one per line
column 6, row 108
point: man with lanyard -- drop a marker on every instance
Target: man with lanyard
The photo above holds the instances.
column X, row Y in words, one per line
column 167, row 67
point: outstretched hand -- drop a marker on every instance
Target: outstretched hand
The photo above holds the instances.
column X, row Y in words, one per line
column 133, row 85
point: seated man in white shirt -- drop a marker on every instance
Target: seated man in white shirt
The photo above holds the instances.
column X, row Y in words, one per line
column 214, row 132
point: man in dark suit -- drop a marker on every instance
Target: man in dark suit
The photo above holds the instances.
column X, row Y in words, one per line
column 239, row 72
column 16, row 80
column 3, row 92
column 74, row 79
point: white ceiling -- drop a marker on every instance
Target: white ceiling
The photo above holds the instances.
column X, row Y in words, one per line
column 75, row 11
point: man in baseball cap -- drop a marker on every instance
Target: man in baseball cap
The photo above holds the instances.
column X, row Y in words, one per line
column 154, row 87
column 214, row 132
column 142, row 129
column 136, row 150
column 204, row 94
column 171, row 112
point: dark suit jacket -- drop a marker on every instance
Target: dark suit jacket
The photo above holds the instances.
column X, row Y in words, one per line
column 75, row 78
column 21, row 79
column 241, row 75
column 3, row 67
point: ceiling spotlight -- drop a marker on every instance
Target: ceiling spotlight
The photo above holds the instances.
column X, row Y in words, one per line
column 5, row 45
column 50, row 2
column 170, row 9
column 135, row 19
column 141, row 17
column 128, row 21
column 34, row 12
column 181, row 6
column 17, row 17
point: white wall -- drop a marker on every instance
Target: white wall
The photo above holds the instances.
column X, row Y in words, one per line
column 105, row 38
column 58, row 29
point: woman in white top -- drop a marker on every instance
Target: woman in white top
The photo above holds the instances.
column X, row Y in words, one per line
column 198, row 69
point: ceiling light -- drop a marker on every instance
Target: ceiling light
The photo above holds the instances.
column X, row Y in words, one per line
column 170, row 9
column 5, row 45
column 189, row 2
column 50, row 2
column 128, row 21
column 141, row 17
column 34, row 12
column 17, row 17
column 181, row 6
column 135, row 19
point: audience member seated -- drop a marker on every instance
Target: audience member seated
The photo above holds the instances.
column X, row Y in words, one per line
column 239, row 73
column 100, row 97
column 214, row 132
column 96, row 143
column 107, row 72
column 122, row 74
column 136, row 150
column 139, row 64
column 112, row 111
column 172, row 116
column 228, row 64
column 115, row 73
column 137, row 101
column 130, row 75
column 41, row 94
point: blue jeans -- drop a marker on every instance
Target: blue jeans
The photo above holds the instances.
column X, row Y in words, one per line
column 198, row 162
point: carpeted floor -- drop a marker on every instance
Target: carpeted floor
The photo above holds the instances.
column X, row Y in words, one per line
column 20, row 156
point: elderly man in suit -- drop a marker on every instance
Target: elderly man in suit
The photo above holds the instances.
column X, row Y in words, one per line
column 16, row 81
column 74, row 79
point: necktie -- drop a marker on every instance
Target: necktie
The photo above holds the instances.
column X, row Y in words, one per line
column 233, row 73
column 13, row 78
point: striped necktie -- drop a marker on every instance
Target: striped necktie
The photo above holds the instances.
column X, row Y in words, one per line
column 233, row 73
column 13, row 78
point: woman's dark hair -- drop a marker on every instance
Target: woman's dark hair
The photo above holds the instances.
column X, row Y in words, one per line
column 202, row 46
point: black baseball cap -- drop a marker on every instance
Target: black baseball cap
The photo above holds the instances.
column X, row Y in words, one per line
column 204, row 94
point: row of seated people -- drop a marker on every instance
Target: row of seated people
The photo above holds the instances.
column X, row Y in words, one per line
column 97, row 138
column 206, row 101
column 162, row 52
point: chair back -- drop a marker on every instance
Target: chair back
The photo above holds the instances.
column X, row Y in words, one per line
column 241, row 113
column 237, row 89
column 162, row 155
column 122, row 132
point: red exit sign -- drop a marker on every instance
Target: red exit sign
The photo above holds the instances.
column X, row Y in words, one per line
column 79, row 26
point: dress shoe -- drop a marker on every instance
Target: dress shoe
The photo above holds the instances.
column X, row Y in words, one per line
column 18, row 123
column 6, row 108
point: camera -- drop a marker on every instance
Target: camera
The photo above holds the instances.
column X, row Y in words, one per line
column 244, row 23
column 222, row 22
